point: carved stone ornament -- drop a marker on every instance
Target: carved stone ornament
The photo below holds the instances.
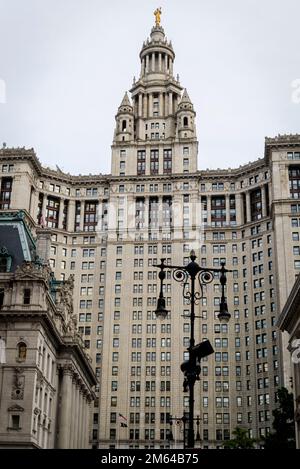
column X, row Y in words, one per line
column 18, row 384
column 33, row 271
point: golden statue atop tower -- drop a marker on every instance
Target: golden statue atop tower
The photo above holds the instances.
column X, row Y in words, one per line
column 157, row 15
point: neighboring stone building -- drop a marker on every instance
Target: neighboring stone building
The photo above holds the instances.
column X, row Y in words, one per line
column 110, row 231
column 289, row 323
column 45, row 375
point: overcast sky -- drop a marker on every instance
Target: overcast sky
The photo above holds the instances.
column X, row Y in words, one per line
column 67, row 63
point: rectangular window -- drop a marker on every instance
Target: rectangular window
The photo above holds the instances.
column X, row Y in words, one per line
column 167, row 161
column 5, row 195
column 26, row 297
column 154, row 162
column 141, row 162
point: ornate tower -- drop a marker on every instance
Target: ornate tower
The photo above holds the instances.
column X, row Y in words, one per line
column 124, row 121
column 185, row 118
column 156, row 134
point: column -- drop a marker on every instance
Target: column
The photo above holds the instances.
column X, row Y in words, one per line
column 34, row 204
column 227, row 207
column 150, row 108
column 65, row 408
column 170, row 103
column 146, row 217
column 166, row 63
column 153, row 62
column 73, row 418
column 145, row 99
column 263, row 201
column 147, row 63
column 161, row 104
column 76, row 436
column 140, row 108
column 160, row 215
column 238, row 208
column 177, row 215
column 248, row 207
column 143, row 67
column 61, row 214
column 171, row 67
column 88, row 419
column 82, row 205
column 71, row 216
column 81, row 412
column 159, row 62
column 45, row 201
column 209, row 210
column 166, row 104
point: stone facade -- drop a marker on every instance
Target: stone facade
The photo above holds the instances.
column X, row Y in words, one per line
column 289, row 323
column 45, row 375
column 110, row 231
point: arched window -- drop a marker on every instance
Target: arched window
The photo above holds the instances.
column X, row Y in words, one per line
column 185, row 122
column 124, row 125
column 22, row 351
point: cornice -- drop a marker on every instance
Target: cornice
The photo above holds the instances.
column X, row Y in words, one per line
column 281, row 141
column 22, row 154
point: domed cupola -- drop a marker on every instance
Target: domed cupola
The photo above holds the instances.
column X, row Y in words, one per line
column 157, row 54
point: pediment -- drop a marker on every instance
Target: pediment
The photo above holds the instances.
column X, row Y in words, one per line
column 16, row 408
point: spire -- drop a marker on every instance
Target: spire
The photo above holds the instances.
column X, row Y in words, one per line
column 185, row 102
column 125, row 101
column 185, row 97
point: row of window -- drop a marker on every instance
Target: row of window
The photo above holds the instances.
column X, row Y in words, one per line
column 89, row 191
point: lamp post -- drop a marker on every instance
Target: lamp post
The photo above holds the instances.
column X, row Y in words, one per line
column 187, row 276
column 184, row 420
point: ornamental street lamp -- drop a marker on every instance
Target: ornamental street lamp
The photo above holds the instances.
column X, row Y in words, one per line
column 184, row 420
column 187, row 276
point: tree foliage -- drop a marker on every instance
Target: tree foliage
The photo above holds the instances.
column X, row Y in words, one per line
column 283, row 436
column 241, row 440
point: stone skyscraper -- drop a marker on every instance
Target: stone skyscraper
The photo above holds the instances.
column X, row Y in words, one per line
column 110, row 232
